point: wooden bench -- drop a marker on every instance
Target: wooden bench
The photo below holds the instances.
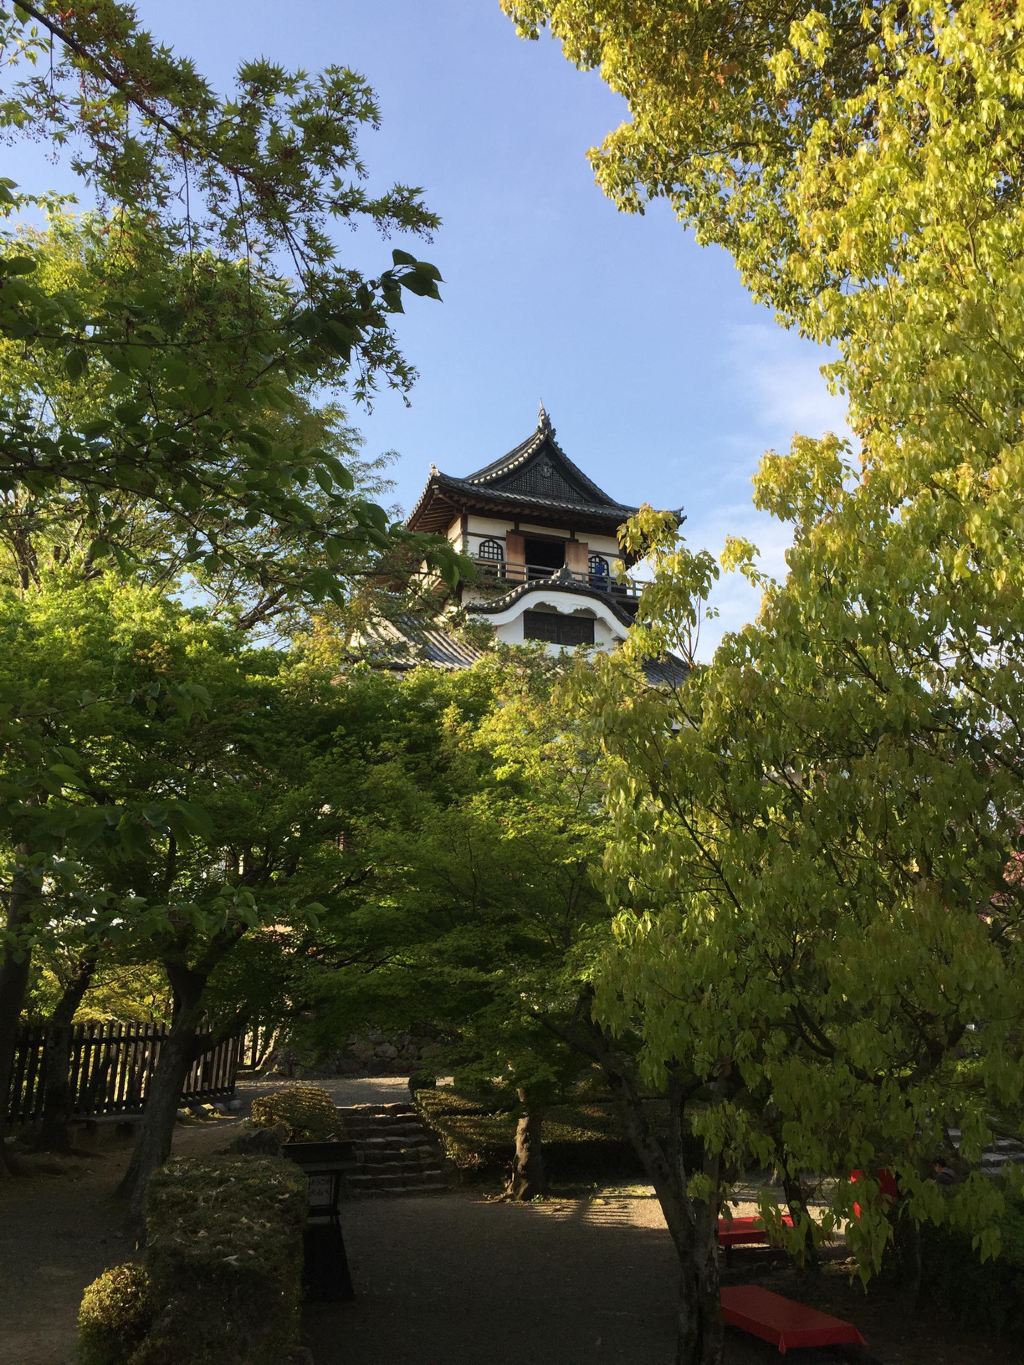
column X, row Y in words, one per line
column 736, row 1232
column 783, row 1322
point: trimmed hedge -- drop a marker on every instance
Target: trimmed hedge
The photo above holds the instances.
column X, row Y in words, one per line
column 581, row 1139
column 308, row 1110
column 115, row 1316
column 224, row 1255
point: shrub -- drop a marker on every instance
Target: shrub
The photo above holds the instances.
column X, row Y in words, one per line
column 114, row 1316
column 986, row 1296
column 308, row 1110
column 581, row 1140
column 224, row 1254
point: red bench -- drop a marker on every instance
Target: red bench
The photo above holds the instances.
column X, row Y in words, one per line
column 782, row 1322
column 735, row 1232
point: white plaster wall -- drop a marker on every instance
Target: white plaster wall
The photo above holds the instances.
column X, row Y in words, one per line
column 478, row 528
column 487, row 526
column 604, row 545
column 507, row 625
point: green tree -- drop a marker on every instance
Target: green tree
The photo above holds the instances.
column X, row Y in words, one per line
column 815, row 835
column 263, row 562
column 218, row 300
column 160, row 369
column 195, row 805
column 477, row 913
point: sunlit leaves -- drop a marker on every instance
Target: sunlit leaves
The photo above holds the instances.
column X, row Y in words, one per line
column 819, row 836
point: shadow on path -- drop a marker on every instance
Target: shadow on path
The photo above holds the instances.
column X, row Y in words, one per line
column 455, row 1280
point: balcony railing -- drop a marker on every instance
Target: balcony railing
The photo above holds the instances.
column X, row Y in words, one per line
column 502, row 575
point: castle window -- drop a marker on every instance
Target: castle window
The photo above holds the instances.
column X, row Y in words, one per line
column 558, row 630
column 600, row 572
column 491, row 554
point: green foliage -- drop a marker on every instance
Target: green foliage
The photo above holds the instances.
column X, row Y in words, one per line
column 115, row 1316
column 309, row 1112
column 224, row 1255
column 983, row 1296
column 158, row 364
column 186, row 436
column 817, row 838
column 174, row 738
column 478, row 839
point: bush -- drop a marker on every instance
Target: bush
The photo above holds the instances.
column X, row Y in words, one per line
column 581, row 1140
column 115, row 1315
column 308, row 1110
column 224, row 1254
column 985, row 1296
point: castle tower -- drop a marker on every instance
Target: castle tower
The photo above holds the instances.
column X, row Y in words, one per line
column 544, row 538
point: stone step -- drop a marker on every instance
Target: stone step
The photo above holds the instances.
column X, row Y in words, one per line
column 400, row 1180
column 395, row 1106
column 385, row 1134
column 416, row 1156
column 393, row 1152
column 403, row 1144
column 382, row 1129
column 372, row 1170
column 404, row 1190
column 382, row 1111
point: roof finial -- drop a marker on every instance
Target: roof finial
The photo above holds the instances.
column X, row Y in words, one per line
column 543, row 420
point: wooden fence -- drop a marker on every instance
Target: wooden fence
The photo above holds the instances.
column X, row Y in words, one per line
column 110, row 1067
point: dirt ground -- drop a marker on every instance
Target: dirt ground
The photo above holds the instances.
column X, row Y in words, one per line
column 452, row 1279
column 59, row 1228
column 459, row 1280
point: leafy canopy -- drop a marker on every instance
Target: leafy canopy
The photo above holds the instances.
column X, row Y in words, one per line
column 818, row 836
column 178, row 311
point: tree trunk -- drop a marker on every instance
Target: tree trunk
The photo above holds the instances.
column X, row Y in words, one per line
column 797, row 1201
column 692, row 1223
column 52, row 1134
column 699, row 1336
column 156, row 1132
column 15, row 962
column 527, row 1178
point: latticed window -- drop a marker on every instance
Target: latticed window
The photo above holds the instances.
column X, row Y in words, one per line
column 600, row 572
column 491, row 554
column 558, row 630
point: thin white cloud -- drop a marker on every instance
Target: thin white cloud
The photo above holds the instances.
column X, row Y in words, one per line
column 782, row 373
column 780, row 393
column 736, row 600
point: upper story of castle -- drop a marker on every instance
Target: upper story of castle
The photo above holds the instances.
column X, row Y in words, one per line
column 544, row 538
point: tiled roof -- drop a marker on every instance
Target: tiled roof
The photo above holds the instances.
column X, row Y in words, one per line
column 408, row 641
column 469, row 488
column 544, row 435
column 667, row 671
column 509, row 486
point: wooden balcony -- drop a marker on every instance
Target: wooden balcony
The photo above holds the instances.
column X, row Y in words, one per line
column 501, row 576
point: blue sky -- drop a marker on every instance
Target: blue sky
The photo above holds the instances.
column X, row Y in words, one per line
column 663, row 381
